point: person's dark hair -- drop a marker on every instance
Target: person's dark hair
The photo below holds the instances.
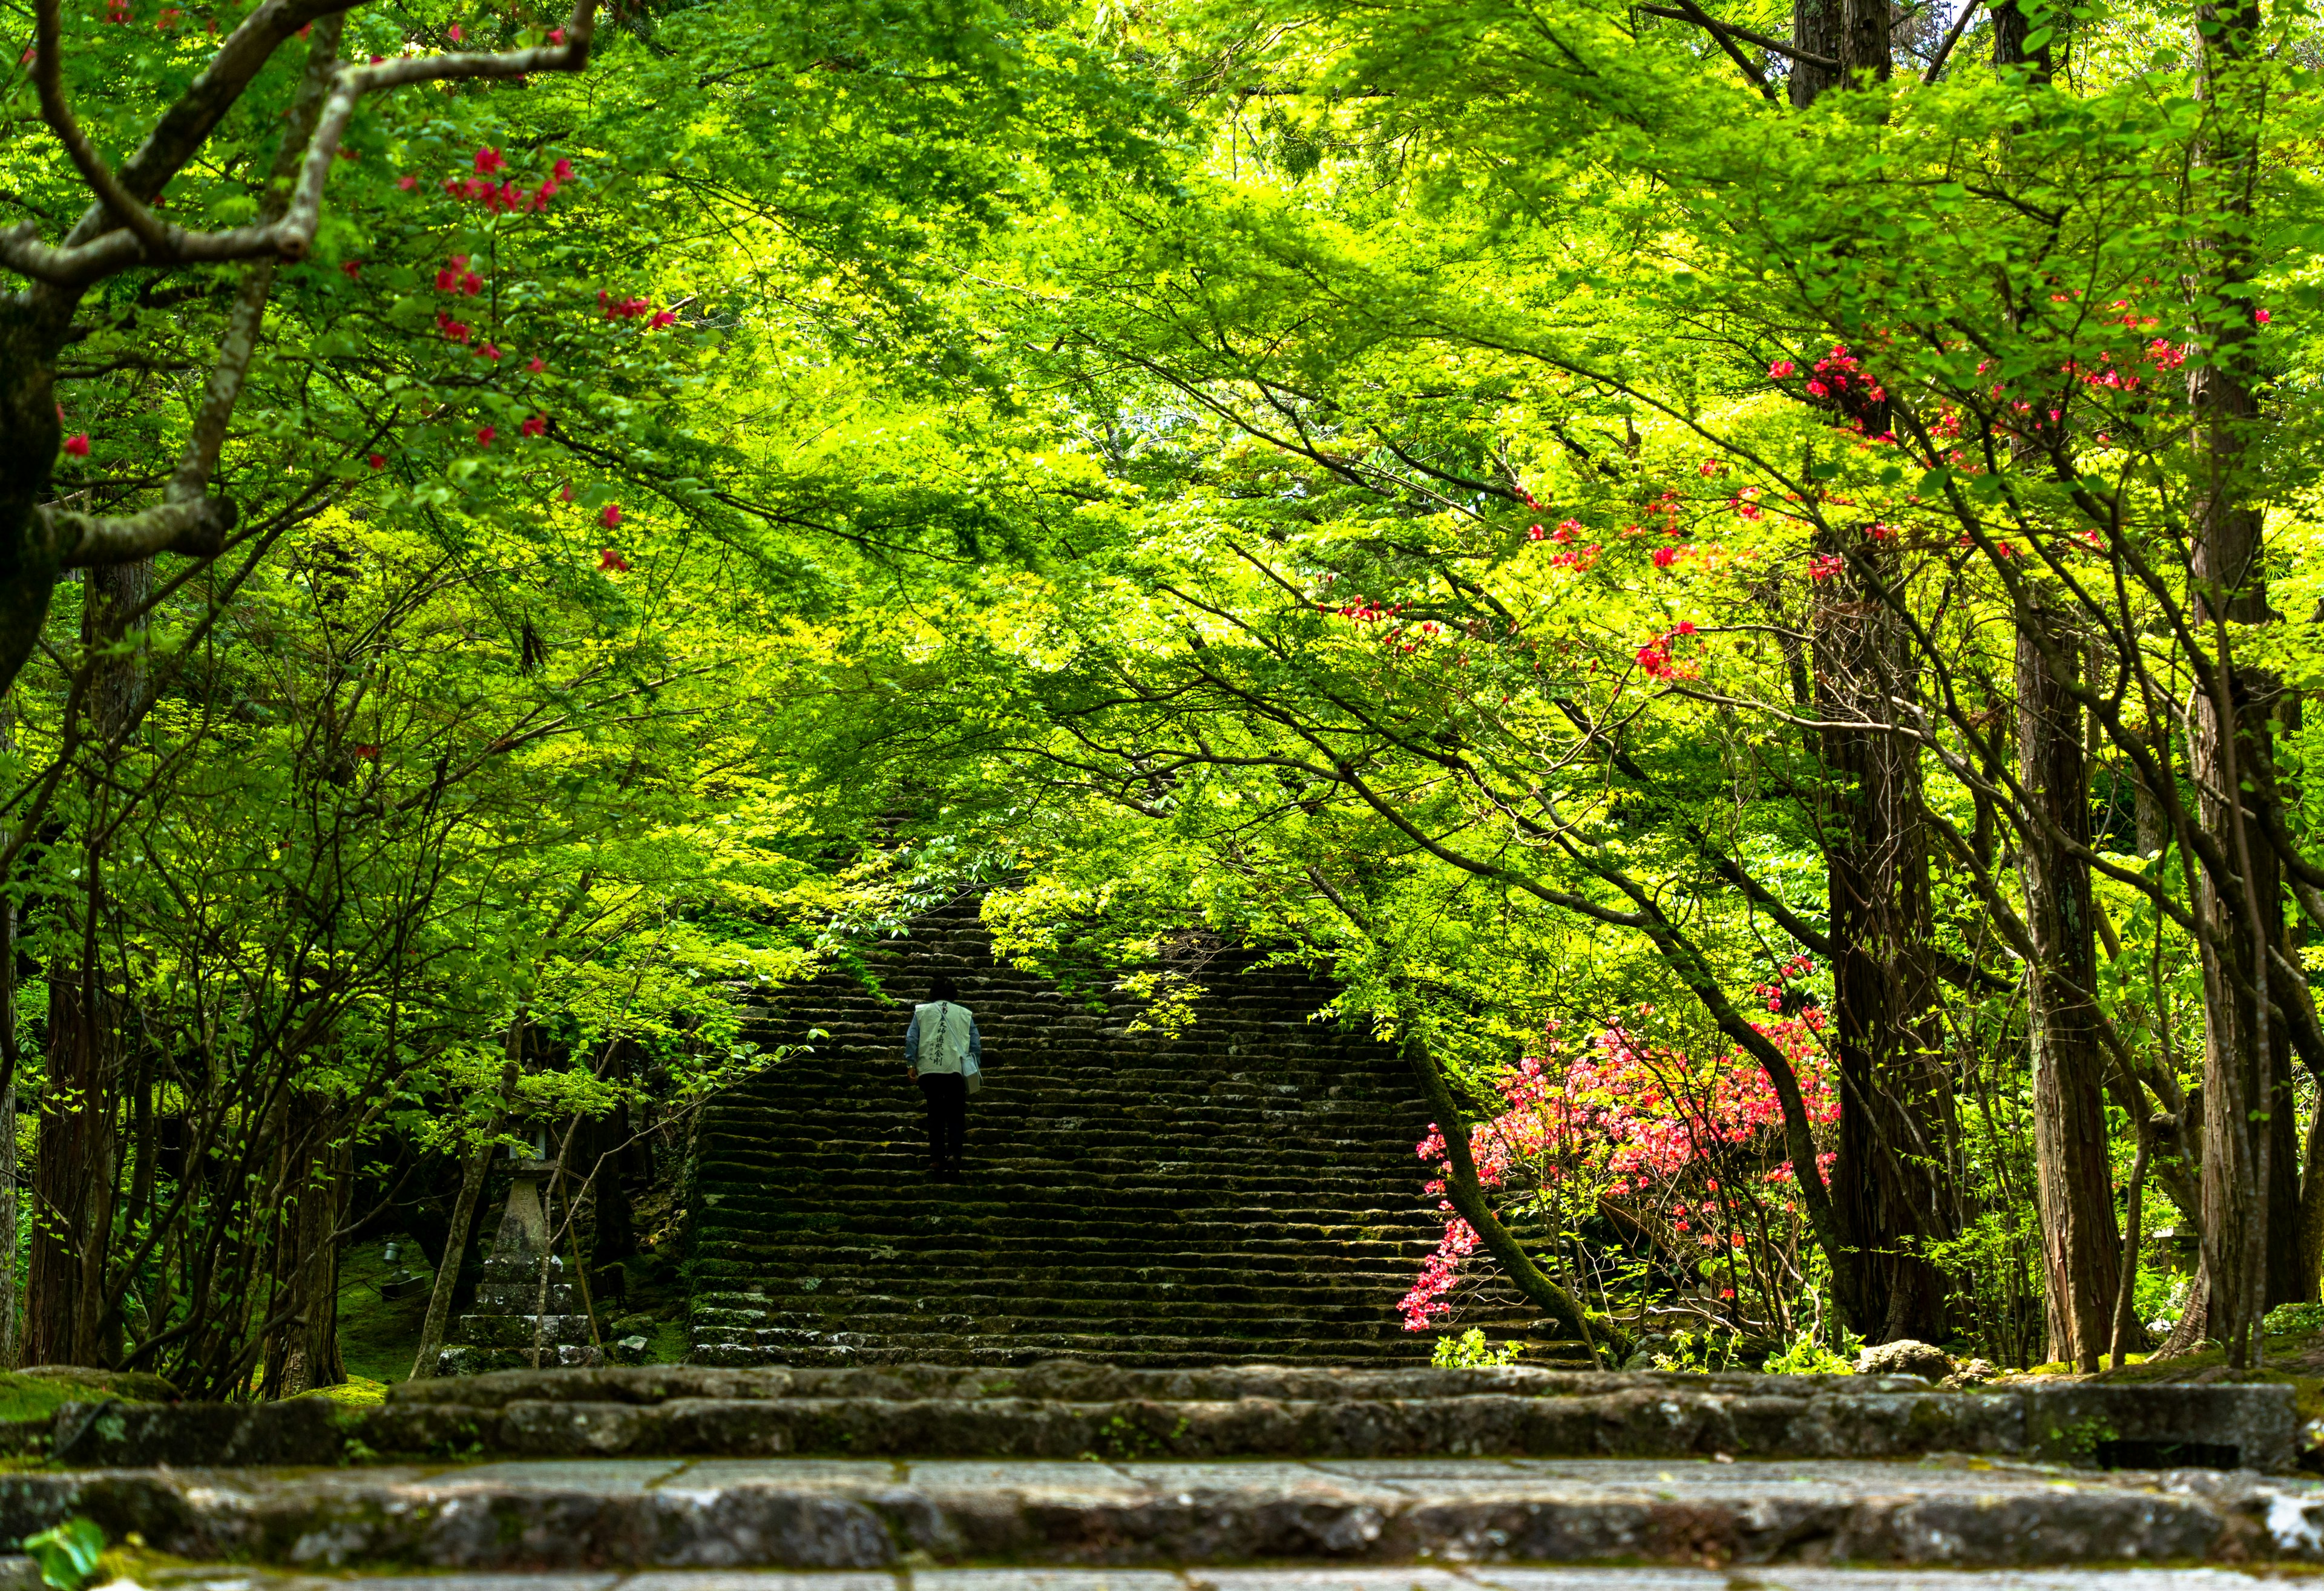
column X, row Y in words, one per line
column 940, row 987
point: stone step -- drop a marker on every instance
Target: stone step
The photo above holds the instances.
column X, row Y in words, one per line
column 1029, row 1312
column 976, row 1293
column 1123, row 1511
column 1200, row 1576
column 1065, row 1408
column 518, row 1331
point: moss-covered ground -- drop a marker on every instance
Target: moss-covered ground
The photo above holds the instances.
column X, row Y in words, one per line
column 35, row 1397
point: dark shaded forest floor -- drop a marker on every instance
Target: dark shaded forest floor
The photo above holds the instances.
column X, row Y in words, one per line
column 379, row 1334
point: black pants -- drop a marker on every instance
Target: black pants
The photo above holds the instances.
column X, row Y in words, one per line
column 948, row 1097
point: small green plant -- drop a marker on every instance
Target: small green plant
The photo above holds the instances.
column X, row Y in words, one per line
column 1471, row 1351
column 1686, row 1354
column 1807, row 1356
column 66, row 1552
column 2294, row 1319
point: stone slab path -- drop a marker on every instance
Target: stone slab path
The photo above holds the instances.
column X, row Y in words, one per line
column 631, row 1514
column 1788, row 1578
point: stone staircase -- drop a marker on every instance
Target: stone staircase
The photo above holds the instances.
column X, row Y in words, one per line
column 1245, row 1191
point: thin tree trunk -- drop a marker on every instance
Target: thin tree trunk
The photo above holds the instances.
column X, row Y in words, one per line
column 322, row 1207
column 447, row 1268
column 2247, row 1131
column 2126, row 1301
column 2073, row 1173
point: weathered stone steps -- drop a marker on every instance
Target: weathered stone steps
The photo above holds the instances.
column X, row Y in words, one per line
column 1067, row 1408
column 1124, row 1512
column 1246, row 1188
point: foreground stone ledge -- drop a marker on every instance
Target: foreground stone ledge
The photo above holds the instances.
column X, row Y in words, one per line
column 944, row 1413
column 1477, row 1577
column 870, row 1515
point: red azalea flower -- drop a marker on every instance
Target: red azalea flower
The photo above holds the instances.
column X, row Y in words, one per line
column 612, row 516
column 484, row 437
column 610, row 562
column 78, row 445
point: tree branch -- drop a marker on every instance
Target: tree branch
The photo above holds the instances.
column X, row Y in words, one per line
column 1689, row 13
column 118, row 232
column 198, row 527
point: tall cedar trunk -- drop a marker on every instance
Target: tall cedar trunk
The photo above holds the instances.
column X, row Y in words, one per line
column 2250, row 1199
column 1892, row 1181
column 2011, row 24
column 74, row 1164
column 1816, row 28
column 1865, row 47
column 2081, row 1262
column 316, row 1172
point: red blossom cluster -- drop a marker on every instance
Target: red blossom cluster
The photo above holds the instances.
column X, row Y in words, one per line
column 1839, row 382
column 503, row 197
column 457, row 277
column 1655, row 656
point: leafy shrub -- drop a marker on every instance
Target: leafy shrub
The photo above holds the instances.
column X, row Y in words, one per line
column 1471, row 1351
column 66, row 1552
column 1699, row 1356
column 1807, row 1356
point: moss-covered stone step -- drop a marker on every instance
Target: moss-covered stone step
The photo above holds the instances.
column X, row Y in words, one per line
column 1075, row 1409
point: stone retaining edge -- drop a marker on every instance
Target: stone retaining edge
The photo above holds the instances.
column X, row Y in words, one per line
column 2250, row 1426
column 338, row 1522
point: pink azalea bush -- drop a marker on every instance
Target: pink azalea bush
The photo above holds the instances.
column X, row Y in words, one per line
column 1680, row 1154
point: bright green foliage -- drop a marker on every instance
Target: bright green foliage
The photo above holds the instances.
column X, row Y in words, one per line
column 1471, row 1351
column 1400, row 484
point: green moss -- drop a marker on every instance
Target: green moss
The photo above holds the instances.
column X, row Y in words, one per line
column 358, row 1392
column 36, row 1397
column 2295, row 1359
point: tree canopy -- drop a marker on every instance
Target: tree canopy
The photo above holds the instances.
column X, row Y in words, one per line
column 1740, row 580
